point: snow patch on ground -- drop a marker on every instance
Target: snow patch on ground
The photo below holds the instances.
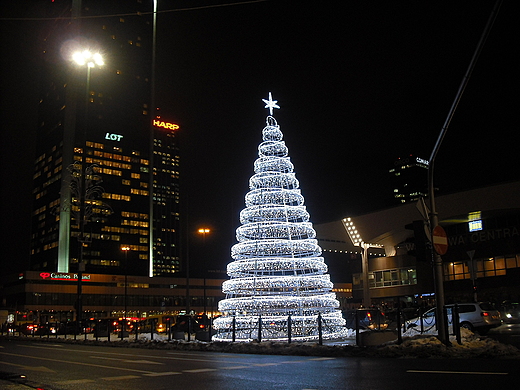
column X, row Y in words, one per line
column 427, row 345
column 413, row 345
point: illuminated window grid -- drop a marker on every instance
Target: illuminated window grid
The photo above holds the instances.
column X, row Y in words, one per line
column 494, row 266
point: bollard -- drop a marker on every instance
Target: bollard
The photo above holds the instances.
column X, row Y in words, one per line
column 445, row 315
column 289, row 329
column 169, row 329
column 356, row 319
column 259, row 328
column 456, row 323
column 189, row 328
column 399, row 330
column 320, row 332
column 233, row 329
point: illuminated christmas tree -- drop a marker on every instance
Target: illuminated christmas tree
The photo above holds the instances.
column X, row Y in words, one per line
column 278, row 283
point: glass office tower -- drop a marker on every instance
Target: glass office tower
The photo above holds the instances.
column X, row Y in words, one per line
column 96, row 133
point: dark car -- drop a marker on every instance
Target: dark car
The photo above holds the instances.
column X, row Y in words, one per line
column 185, row 323
column 510, row 312
column 68, row 327
column 38, row 329
column 373, row 319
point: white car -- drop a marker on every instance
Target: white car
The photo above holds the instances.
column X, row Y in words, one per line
column 480, row 317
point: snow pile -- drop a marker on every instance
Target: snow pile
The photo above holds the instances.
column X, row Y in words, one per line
column 413, row 346
column 427, row 345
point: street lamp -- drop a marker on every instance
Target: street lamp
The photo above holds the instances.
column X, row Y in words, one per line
column 86, row 57
column 83, row 58
column 357, row 240
column 125, row 249
column 204, row 231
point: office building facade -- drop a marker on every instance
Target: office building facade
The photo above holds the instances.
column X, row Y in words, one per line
column 409, row 178
column 103, row 155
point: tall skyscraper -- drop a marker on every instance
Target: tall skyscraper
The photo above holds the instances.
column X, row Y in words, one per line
column 409, row 178
column 99, row 123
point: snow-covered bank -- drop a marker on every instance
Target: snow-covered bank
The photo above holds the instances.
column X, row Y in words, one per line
column 416, row 346
column 428, row 346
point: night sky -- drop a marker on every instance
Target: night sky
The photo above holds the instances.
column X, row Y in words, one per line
column 359, row 84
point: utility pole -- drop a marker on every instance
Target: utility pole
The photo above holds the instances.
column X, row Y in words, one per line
column 434, row 221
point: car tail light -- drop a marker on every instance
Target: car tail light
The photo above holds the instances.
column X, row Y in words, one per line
column 484, row 314
column 202, row 326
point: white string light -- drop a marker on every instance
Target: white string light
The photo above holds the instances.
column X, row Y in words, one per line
column 277, row 270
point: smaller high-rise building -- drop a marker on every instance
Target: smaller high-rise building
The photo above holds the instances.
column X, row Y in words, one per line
column 409, row 178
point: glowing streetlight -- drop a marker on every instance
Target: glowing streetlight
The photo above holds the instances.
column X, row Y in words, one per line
column 357, row 240
column 204, row 231
column 83, row 58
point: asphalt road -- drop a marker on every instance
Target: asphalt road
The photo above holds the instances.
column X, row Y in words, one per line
column 66, row 366
column 506, row 334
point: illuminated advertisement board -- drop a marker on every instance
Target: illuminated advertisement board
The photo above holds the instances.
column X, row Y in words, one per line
column 62, row 276
column 165, row 125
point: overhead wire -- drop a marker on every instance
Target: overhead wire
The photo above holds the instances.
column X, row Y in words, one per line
column 136, row 13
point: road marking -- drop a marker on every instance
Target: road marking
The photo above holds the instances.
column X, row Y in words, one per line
column 206, row 354
column 201, row 370
column 31, row 368
column 457, row 372
column 118, row 378
column 163, row 373
column 75, row 382
column 323, row 358
column 292, row 362
column 78, row 363
column 234, row 367
column 182, row 357
column 126, row 360
column 265, row 364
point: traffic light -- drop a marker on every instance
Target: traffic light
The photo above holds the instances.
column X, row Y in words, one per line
column 422, row 246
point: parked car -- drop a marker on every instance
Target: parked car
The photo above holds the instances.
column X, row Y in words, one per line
column 38, row 329
column 510, row 312
column 479, row 317
column 198, row 322
column 373, row 319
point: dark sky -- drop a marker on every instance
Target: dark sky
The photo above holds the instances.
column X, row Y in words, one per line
column 359, row 84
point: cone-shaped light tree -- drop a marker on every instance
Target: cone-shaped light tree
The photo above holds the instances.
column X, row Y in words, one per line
column 279, row 286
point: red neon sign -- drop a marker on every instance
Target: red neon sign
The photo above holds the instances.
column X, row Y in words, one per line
column 62, row 276
column 165, row 125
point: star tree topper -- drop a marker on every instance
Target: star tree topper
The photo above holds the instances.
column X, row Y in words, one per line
column 270, row 104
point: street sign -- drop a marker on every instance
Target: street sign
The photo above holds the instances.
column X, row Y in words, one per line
column 440, row 240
